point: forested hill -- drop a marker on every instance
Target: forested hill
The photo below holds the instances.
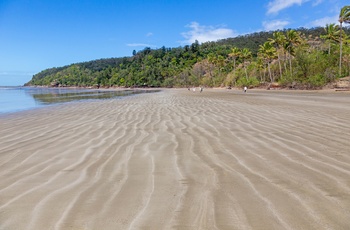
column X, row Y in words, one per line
column 227, row 62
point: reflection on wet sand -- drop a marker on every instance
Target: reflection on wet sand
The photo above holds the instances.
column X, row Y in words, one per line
column 50, row 96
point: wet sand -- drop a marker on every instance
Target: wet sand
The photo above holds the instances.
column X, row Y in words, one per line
column 176, row 159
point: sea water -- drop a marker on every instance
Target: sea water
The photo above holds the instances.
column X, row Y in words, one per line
column 14, row 99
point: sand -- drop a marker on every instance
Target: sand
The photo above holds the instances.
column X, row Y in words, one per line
column 220, row 159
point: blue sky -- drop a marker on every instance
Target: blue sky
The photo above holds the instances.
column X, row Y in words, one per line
column 40, row 34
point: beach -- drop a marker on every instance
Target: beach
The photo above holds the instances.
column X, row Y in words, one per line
column 177, row 159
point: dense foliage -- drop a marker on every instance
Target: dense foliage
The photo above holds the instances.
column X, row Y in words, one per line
column 296, row 58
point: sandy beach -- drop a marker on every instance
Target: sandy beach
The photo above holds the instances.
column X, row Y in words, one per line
column 175, row 159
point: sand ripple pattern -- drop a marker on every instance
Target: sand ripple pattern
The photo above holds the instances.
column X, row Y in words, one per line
column 179, row 160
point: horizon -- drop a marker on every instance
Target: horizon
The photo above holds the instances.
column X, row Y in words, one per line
column 43, row 34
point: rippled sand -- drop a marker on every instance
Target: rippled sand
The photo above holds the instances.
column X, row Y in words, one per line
column 179, row 160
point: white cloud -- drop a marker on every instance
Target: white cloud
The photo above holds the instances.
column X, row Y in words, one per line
column 277, row 5
column 274, row 25
column 205, row 33
column 324, row 21
column 140, row 45
column 317, row 2
column 149, row 34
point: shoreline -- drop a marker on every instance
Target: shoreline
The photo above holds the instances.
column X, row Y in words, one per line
column 54, row 96
column 220, row 159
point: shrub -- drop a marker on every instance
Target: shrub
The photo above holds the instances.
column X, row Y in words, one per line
column 315, row 81
column 250, row 82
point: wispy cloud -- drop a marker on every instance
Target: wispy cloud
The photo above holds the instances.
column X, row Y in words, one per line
column 324, row 21
column 140, row 45
column 205, row 33
column 317, row 2
column 277, row 5
column 275, row 25
column 149, row 34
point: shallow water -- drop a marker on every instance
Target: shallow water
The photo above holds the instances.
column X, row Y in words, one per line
column 14, row 99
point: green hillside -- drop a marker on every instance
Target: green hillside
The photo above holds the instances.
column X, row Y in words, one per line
column 305, row 58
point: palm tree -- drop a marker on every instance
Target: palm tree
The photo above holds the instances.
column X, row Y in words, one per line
column 344, row 17
column 260, row 65
column 292, row 40
column 279, row 40
column 211, row 65
column 220, row 63
column 235, row 54
column 332, row 34
column 246, row 55
column 268, row 53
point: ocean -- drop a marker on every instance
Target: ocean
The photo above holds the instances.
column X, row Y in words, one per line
column 15, row 99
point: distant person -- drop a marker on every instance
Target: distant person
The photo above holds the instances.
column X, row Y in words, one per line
column 245, row 89
column 194, row 89
column 201, row 89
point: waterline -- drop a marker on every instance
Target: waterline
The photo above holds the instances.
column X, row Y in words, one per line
column 15, row 99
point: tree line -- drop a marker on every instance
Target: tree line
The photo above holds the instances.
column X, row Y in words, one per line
column 303, row 58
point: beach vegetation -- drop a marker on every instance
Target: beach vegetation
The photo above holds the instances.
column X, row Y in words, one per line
column 344, row 17
column 300, row 58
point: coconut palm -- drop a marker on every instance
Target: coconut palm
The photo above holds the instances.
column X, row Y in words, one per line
column 268, row 53
column 344, row 17
column 278, row 40
column 292, row 40
column 211, row 65
column 246, row 55
column 332, row 34
column 235, row 54
column 260, row 65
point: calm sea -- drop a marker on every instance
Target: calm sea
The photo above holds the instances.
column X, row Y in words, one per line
column 14, row 99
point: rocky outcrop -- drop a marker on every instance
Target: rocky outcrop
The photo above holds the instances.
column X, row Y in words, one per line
column 343, row 83
column 55, row 83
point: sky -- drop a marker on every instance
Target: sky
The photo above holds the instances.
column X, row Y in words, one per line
column 40, row 34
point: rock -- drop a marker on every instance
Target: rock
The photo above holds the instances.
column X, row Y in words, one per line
column 55, row 83
column 343, row 82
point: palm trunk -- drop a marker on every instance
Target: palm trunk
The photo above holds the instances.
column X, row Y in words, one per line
column 260, row 76
column 290, row 62
column 279, row 64
column 245, row 70
column 341, row 46
column 234, row 67
column 268, row 66
column 284, row 61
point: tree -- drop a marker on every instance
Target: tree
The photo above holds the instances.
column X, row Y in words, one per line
column 279, row 40
column 292, row 40
column 246, row 55
column 235, row 54
column 211, row 65
column 332, row 34
column 344, row 17
column 268, row 53
column 207, row 63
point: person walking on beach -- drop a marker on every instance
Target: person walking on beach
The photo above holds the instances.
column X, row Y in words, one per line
column 245, row 89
